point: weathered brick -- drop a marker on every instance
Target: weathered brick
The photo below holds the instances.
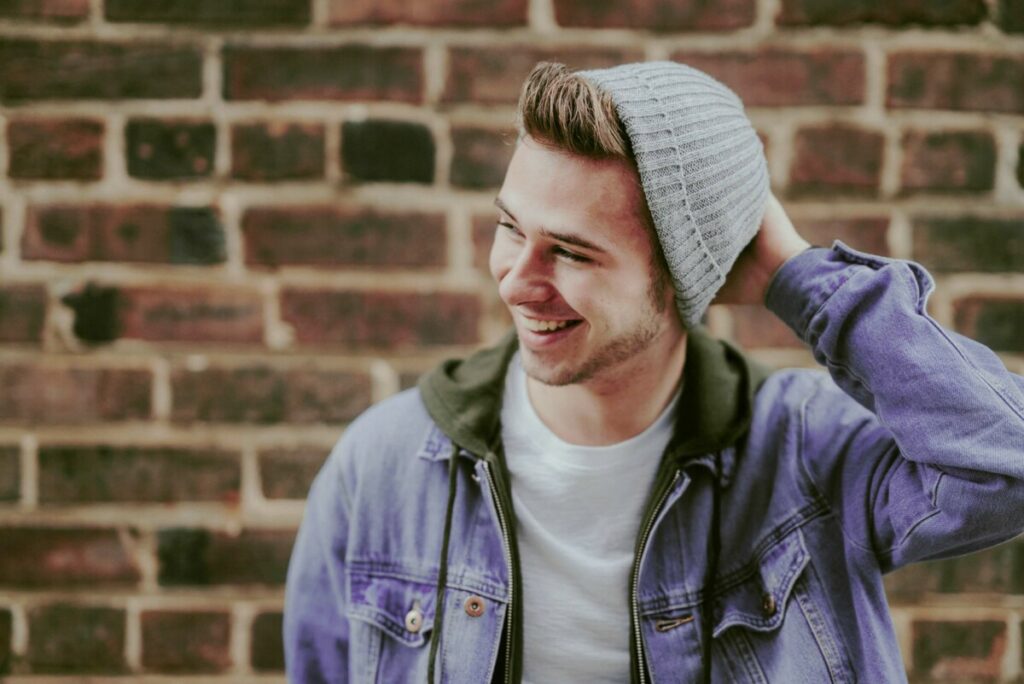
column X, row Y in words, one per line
column 6, row 630
column 91, row 474
column 55, row 149
column 836, row 159
column 22, row 313
column 481, row 156
column 64, row 70
column 267, row 647
column 867, row 233
column 10, row 477
column 961, row 81
column 498, row 13
column 961, row 161
column 54, row 396
column 179, row 641
column 64, row 557
column 135, row 233
column 889, row 12
column 261, row 394
column 484, row 226
column 657, row 15
column 958, row 650
column 385, row 320
column 175, row 314
column 288, row 473
column 756, row 327
column 775, row 77
column 62, row 11
column 495, row 75
column 1011, row 16
column 170, row 150
column 997, row 322
column 68, row 638
column 328, row 236
column 351, row 72
column 277, row 151
column 201, row 557
column 220, row 13
column 969, row 243
column 382, row 150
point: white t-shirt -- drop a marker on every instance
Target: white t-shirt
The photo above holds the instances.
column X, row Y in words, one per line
column 578, row 511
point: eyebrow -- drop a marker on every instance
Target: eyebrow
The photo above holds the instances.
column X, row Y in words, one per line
column 568, row 238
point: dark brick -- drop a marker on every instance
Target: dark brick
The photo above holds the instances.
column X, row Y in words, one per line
column 331, row 237
column 1011, row 16
column 64, row 557
column 959, row 651
column 201, row 557
column 970, row 243
column 10, row 481
column 65, row 638
column 867, row 234
column 997, row 322
column 6, row 630
column 73, row 396
column 170, row 150
column 963, row 161
column 180, row 314
column 51, row 70
column 133, row 233
column 481, row 156
column 499, row 13
column 91, row 474
column 22, row 313
column 998, row 570
column 59, row 11
column 383, row 320
column 756, row 327
column 657, row 15
column 204, row 13
column 836, row 159
column 178, row 641
column 96, row 313
column 1020, row 165
column 288, row 474
column 381, row 150
column 56, row 149
column 264, row 395
column 889, row 12
column 960, row 81
column 351, row 72
column 277, row 151
column 267, row 647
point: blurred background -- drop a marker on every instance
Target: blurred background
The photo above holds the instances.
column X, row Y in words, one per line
column 228, row 226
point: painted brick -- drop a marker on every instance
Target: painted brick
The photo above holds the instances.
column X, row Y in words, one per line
column 867, row 233
column 201, row 557
column 383, row 320
column 10, row 477
column 74, row 396
column 220, row 13
column 94, row 474
column 499, row 13
column 180, row 314
column 264, row 395
column 55, row 149
column 65, row 70
column 139, row 233
column 381, row 150
column 64, row 557
column 1011, row 16
column 774, row 77
column 180, row 642
column 892, row 13
column 277, row 151
column 169, row 150
column 288, row 473
column 958, row 651
column 961, row 161
column 997, row 322
column 996, row 570
column 60, row 11
column 22, row 313
column 67, row 638
column 756, row 327
column 836, row 159
column 6, row 630
column 267, row 647
column 657, row 15
column 347, row 236
column 351, row 72
column 481, row 156
column 969, row 243
column 960, row 81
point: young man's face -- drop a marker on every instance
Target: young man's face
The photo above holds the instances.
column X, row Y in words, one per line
column 574, row 265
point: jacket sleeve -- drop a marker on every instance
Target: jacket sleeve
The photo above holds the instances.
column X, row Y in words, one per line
column 316, row 630
column 928, row 460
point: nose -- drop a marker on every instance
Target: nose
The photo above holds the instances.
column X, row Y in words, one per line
column 523, row 273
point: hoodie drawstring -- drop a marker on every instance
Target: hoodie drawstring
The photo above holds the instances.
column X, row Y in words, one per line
column 714, row 549
column 442, row 572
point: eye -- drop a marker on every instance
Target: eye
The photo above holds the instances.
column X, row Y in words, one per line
column 509, row 227
column 571, row 256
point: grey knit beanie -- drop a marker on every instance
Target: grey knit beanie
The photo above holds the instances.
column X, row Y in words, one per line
column 702, row 169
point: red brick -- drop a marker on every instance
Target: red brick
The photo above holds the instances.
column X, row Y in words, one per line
column 6, row 630
column 139, row 233
column 178, row 641
column 773, row 77
column 495, row 75
column 277, row 151
column 22, row 313
column 961, row 81
column 995, row 321
column 180, row 314
column 382, row 320
column 263, row 395
column 64, row 557
column 963, row 161
column 79, row 70
column 867, row 234
column 203, row 13
column 66, row 638
column 201, row 557
column 170, row 150
column 92, row 474
column 499, row 13
column 10, row 479
column 836, row 159
column 1011, row 16
column 351, row 72
column 75, row 396
column 756, row 327
column 969, row 243
column 892, row 12
column 484, row 226
column 959, row 650
column 383, row 150
column 60, row 11
column 267, row 647
column 481, row 156
column 55, row 149
column 288, row 473
column 346, row 236
column 657, row 15
column 996, row 570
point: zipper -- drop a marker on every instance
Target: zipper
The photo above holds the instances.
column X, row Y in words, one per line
column 508, row 564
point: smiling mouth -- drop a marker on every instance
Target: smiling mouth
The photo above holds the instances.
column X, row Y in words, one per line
column 537, row 326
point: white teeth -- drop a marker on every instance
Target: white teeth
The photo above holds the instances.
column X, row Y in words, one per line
column 544, row 326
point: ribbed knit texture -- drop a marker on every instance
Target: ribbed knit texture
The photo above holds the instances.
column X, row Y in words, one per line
column 702, row 168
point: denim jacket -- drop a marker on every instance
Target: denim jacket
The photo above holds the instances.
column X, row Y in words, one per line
column 910, row 447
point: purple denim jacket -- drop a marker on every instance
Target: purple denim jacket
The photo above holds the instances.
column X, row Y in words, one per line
column 910, row 447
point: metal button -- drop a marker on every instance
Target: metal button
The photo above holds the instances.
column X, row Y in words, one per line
column 474, row 606
column 414, row 618
column 768, row 605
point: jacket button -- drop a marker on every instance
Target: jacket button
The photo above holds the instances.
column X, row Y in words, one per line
column 414, row 619
column 474, row 606
column 768, row 605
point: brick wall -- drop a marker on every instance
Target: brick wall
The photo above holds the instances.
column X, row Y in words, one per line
column 226, row 227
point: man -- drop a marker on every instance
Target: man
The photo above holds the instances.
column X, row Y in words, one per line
column 610, row 494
